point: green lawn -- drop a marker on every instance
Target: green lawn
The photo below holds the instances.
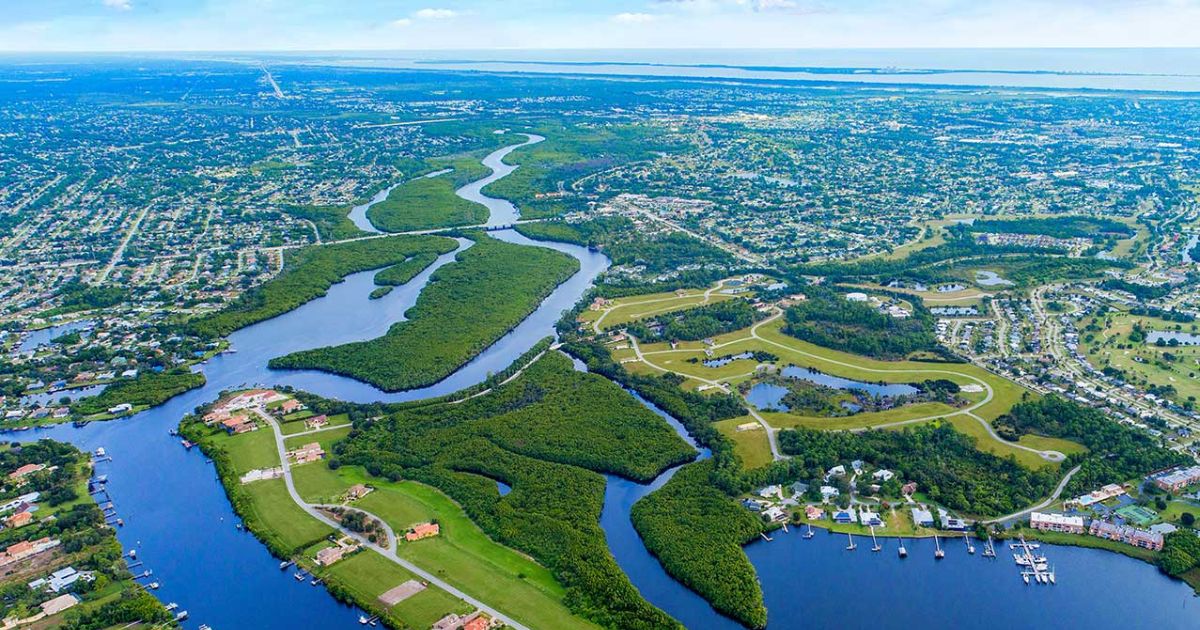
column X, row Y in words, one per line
column 324, row 438
column 752, row 446
column 249, row 451
column 464, row 556
column 625, row 310
column 367, row 575
column 284, row 521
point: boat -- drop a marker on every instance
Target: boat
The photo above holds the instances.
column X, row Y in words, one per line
column 181, row 615
column 285, row 564
column 809, row 533
column 79, row 424
column 186, row 444
column 851, row 546
column 1025, row 576
column 204, row 626
column 316, row 581
column 133, row 553
column 362, row 619
column 1050, row 575
column 171, row 606
column 100, row 452
column 153, row 586
column 299, row 575
column 938, row 554
column 902, row 551
column 120, row 522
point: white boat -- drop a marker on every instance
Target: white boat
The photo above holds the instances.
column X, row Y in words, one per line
column 938, row 554
column 902, row 551
column 970, row 547
column 172, row 606
column 1025, row 576
column 1051, row 576
column 181, row 616
column 153, row 586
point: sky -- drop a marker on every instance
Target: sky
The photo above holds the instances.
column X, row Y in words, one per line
column 215, row 25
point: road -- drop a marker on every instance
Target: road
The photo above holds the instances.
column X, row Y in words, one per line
column 390, row 551
column 120, row 253
column 1053, row 497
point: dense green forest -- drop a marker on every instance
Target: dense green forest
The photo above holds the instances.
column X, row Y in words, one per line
column 828, row 319
column 697, row 531
column 946, row 465
column 1116, row 453
column 1057, row 227
column 78, row 296
column 465, row 308
column 149, row 389
column 697, row 323
column 546, row 434
column 571, row 150
column 401, row 274
column 1180, row 554
column 429, row 202
column 308, row 273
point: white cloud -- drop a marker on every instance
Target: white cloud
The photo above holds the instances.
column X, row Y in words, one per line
column 402, row 22
column 119, row 5
column 634, row 18
column 435, row 14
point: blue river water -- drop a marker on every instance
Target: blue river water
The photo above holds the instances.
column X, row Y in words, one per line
column 178, row 518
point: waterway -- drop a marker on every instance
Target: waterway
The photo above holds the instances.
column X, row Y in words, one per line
column 178, row 518
column 358, row 214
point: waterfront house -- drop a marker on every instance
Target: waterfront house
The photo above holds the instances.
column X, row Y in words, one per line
column 422, row 530
column 238, row 424
column 19, row 474
column 775, row 514
column 61, row 579
column 813, row 513
column 870, row 519
column 1056, row 523
column 845, row 517
column 290, row 405
column 330, row 555
column 25, row 549
column 922, row 517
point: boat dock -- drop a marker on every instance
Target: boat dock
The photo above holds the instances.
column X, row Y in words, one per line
column 1033, row 566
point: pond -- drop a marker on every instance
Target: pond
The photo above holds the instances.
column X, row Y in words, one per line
column 1180, row 338
column 991, row 279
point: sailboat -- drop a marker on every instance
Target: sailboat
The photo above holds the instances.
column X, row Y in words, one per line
column 902, row 551
column 809, row 533
column 938, row 554
column 851, row 546
column 1050, row 575
column 970, row 547
column 875, row 543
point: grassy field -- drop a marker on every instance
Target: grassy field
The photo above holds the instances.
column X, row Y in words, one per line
column 249, row 451
column 752, row 446
column 367, row 575
column 1142, row 361
column 286, row 522
column 625, row 310
column 291, row 427
column 462, row 554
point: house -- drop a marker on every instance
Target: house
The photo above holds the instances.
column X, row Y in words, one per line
column 799, row 488
column 357, row 491
column 753, row 505
column 909, row 488
column 22, row 472
column 238, row 424
column 883, row 474
column 828, row 492
column 422, row 530
column 330, row 555
column 25, row 549
column 769, row 492
column 1056, row 523
column 61, row 579
column 836, row 471
column 922, row 517
column 775, row 514
column 845, row 517
column 316, row 422
column 1099, row 496
column 870, row 519
column 20, row 519
column 311, row 452
column 813, row 513
column 252, row 398
column 290, row 405
column 26, row 500
column 59, row 604
column 474, row 621
column 120, row 409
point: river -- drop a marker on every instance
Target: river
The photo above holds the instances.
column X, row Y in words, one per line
column 178, row 518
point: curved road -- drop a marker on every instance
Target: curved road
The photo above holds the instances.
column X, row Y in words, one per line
column 1053, row 497
column 390, row 552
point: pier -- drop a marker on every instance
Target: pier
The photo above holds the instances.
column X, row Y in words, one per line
column 1033, row 565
